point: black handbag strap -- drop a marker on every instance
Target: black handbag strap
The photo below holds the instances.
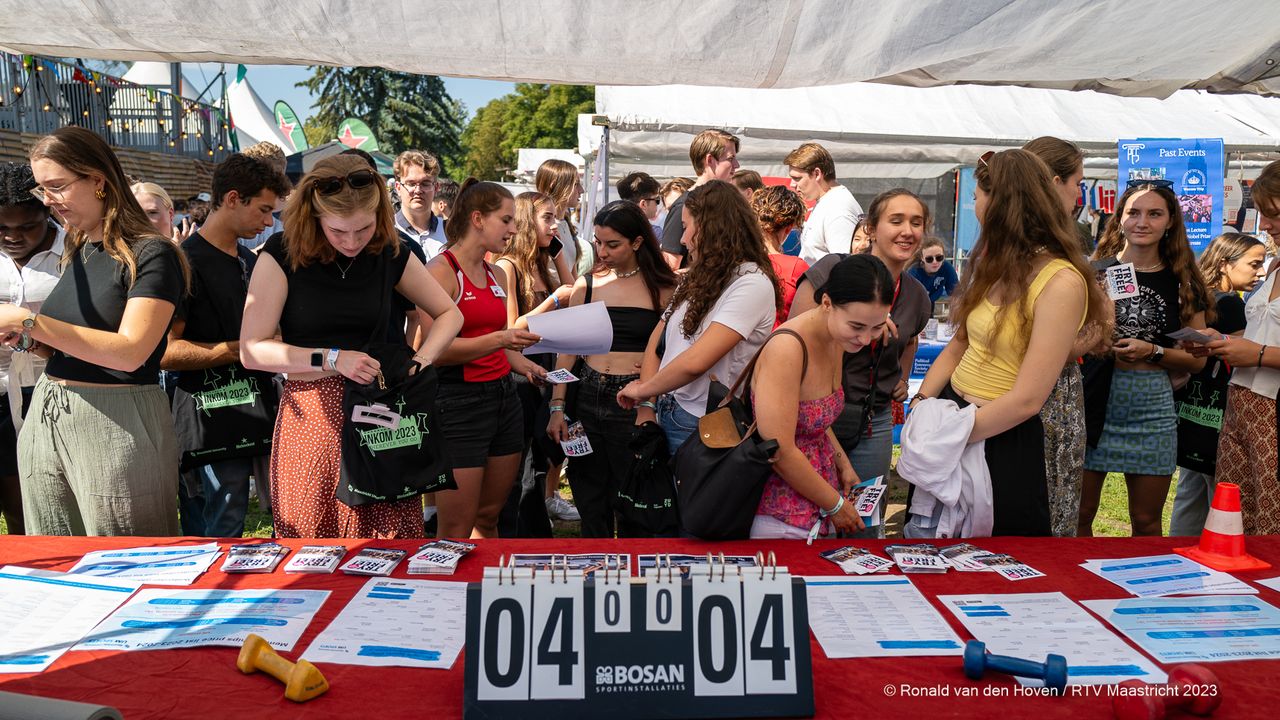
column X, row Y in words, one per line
column 745, row 376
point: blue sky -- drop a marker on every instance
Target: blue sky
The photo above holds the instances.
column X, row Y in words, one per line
column 276, row 82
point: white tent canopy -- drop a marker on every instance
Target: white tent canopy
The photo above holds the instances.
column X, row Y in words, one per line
column 881, row 131
column 1129, row 47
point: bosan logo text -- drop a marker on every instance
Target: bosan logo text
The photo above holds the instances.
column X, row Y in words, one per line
column 621, row 678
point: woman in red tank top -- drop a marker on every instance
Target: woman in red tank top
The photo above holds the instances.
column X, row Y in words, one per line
column 479, row 412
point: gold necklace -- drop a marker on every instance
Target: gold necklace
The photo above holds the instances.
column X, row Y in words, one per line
column 343, row 271
column 625, row 275
column 1149, row 268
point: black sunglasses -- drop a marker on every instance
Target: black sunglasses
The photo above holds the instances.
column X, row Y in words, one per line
column 1149, row 182
column 934, row 258
column 358, row 180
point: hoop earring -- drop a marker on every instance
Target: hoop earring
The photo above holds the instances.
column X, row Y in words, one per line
column 100, row 194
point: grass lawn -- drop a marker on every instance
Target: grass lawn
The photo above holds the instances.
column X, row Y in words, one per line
column 1112, row 519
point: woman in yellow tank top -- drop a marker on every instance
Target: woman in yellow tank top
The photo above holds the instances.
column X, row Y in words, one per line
column 1022, row 299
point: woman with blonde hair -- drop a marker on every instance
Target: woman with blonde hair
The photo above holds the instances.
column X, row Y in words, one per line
column 1129, row 404
column 97, row 454
column 559, row 180
column 325, row 282
column 1024, row 297
column 158, row 206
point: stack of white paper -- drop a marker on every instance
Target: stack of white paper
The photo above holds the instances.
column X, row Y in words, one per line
column 439, row 557
column 409, row 623
column 1033, row 625
column 164, row 565
column 1159, row 575
column 872, row 616
column 45, row 613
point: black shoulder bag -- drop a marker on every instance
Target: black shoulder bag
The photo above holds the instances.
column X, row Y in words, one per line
column 391, row 448
column 721, row 469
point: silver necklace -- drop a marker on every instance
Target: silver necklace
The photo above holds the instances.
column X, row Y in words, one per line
column 625, row 275
column 343, row 270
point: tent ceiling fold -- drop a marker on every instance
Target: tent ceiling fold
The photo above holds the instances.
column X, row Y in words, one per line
column 1125, row 47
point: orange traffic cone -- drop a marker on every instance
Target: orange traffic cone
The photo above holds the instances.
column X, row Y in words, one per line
column 1222, row 542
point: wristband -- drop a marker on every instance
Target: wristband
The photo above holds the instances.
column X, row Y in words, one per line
column 556, row 300
column 332, row 359
column 648, row 404
column 834, row 508
column 556, row 408
column 1261, row 350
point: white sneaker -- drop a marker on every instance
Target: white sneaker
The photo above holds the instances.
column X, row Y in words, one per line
column 560, row 509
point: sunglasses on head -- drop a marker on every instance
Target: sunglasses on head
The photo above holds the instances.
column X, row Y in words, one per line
column 933, row 258
column 985, row 157
column 1149, row 183
column 357, row 180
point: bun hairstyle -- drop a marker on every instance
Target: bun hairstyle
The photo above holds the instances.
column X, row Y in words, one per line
column 858, row 278
column 474, row 195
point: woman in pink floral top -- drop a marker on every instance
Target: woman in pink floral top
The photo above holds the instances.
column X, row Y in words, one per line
column 796, row 391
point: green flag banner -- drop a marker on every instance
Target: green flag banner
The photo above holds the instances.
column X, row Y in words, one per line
column 290, row 126
column 356, row 134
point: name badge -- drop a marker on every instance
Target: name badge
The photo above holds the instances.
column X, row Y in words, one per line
column 1122, row 281
column 496, row 289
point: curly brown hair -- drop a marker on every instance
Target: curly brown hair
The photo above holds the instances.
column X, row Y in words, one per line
column 728, row 236
column 777, row 207
column 1023, row 217
column 1175, row 251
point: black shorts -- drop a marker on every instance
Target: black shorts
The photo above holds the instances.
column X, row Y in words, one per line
column 9, row 433
column 480, row 420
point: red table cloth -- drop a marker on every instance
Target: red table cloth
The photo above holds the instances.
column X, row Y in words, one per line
column 204, row 683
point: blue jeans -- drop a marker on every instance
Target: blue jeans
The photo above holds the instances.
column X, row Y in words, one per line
column 226, row 496
column 870, row 456
column 676, row 422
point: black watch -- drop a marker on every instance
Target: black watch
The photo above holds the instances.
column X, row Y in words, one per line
column 317, row 359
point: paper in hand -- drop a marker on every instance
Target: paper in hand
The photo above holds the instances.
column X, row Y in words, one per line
column 578, row 330
column 560, row 377
column 1190, row 335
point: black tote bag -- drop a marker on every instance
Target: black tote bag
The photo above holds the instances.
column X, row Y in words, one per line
column 721, row 469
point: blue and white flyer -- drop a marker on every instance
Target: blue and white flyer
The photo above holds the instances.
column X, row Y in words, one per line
column 1196, row 629
column 156, row 619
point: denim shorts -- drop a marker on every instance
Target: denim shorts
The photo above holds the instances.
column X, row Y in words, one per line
column 480, row 420
column 676, row 422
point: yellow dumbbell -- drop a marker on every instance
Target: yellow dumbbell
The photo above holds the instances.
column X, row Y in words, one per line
column 302, row 680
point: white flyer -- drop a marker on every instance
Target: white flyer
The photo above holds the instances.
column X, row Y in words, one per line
column 876, row 617
column 409, row 623
column 159, row 618
column 578, row 330
column 560, row 376
column 47, row 612
column 1122, row 281
column 1033, row 625
column 1273, row 583
column 577, row 444
column 866, row 498
column 1196, row 629
column 163, row 565
column 1158, row 575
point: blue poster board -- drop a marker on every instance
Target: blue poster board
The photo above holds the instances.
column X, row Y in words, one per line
column 966, row 219
column 1194, row 166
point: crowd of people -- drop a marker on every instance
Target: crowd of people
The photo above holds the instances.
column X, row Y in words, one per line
column 159, row 360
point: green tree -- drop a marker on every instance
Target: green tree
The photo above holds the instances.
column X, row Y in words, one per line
column 534, row 116
column 404, row 110
column 318, row 133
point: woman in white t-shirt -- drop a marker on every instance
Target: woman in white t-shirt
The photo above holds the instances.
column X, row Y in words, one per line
column 719, row 316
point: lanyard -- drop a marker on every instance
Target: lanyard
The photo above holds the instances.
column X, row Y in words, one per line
column 877, row 354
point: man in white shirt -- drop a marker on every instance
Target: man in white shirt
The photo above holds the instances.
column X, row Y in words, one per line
column 714, row 154
column 30, row 265
column 834, row 217
column 416, row 174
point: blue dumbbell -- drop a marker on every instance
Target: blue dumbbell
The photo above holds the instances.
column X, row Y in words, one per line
column 1053, row 671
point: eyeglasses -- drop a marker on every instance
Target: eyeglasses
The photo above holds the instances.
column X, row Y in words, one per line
column 358, row 180
column 655, row 199
column 415, row 186
column 985, row 158
column 933, row 258
column 56, row 193
column 1149, row 183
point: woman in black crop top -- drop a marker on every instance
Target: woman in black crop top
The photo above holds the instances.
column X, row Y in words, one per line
column 324, row 284
column 635, row 284
column 1143, row 257
column 97, row 454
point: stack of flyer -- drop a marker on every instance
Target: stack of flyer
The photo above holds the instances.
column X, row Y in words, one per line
column 917, row 558
column 374, row 561
column 316, row 559
column 856, row 561
column 259, row 558
column 439, row 557
column 1159, row 575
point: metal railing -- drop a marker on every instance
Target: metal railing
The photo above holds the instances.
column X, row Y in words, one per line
column 39, row 95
